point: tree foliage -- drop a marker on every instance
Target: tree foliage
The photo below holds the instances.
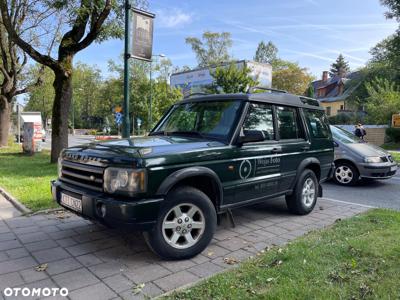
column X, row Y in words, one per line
column 290, row 77
column 266, row 53
column 231, row 79
column 340, row 67
column 383, row 100
column 212, row 49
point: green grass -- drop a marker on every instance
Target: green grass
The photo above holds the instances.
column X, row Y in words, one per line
column 357, row 258
column 27, row 178
column 396, row 156
column 391, row 146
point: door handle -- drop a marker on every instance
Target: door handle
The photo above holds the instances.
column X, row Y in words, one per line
column 276, row 150
column 305, row 147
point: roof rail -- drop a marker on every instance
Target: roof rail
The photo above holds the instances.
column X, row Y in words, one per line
column 253, row 88
column 195, row 94
column 309, row 101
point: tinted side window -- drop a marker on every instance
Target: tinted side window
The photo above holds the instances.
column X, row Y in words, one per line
column 317, row 123
column 260, row 118
column 289, row 125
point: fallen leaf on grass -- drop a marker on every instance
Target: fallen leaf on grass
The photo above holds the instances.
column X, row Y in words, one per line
column 275, row 263
column 230, row 260
column 41, row 268
column 138, row 289
column 270, row 279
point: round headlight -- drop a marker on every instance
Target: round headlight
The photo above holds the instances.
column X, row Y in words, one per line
column 114, row 185
column 123, row 178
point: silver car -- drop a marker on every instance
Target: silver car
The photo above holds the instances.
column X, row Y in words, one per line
column 356, row 159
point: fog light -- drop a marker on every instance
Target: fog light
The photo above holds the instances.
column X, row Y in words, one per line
column 101, row 208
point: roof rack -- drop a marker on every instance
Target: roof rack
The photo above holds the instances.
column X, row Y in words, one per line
column 253, row 88
column 195, row 94
column 309, row 101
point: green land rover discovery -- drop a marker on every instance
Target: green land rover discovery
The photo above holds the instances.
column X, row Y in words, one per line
column 208, row 154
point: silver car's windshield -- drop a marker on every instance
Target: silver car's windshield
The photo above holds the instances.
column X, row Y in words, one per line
column 344, row 136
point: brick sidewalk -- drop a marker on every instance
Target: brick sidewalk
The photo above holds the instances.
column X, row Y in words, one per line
column 7, row 210
column 98, row 263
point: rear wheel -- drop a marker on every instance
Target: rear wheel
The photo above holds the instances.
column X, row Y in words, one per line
column 185, row 225
column 345, row 174
column 304, row 197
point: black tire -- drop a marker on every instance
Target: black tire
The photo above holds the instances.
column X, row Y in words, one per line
column 157, row 238
column 349, row 170
column 295, row 202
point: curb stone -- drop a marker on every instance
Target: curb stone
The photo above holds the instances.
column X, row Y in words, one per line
column 18, row 205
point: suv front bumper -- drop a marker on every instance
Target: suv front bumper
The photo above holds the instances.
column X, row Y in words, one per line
column 140, row 214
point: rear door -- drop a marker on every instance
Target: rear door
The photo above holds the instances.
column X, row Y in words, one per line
column 256, row 164
column 293, row 143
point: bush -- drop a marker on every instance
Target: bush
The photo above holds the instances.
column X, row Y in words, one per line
column 393, row 134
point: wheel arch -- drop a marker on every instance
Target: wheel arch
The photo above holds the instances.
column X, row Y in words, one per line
column 202, row 178
column 311, row 163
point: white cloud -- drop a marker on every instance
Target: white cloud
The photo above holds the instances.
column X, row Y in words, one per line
column 173, row 18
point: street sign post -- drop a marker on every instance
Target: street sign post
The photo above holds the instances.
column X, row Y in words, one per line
column 142, row 45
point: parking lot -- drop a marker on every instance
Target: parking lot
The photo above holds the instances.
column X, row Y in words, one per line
column 94, row 262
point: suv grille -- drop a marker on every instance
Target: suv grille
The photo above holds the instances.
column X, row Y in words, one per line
column 87, row 176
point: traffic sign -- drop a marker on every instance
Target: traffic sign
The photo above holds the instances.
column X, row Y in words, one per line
column 118, row 118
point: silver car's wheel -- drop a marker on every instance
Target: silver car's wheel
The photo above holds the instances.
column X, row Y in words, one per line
column 183, row 226
column 308, row 193
column 344, row 174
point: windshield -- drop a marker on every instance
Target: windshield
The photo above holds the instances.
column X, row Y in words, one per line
column 344, row 136
column 214, row 119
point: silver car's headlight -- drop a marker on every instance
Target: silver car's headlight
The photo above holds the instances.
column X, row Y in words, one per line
column 59, row 167
column 373, row 159
column 124, row 180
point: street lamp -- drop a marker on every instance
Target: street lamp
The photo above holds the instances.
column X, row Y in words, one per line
column 150, row 119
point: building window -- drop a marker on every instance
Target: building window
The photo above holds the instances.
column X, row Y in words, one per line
column 342, row 107
column 328, row 110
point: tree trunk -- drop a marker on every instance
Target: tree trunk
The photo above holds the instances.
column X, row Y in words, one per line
column 5, row 113
column 62, row 102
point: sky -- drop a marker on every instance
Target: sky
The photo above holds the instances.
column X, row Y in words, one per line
column 310, row 32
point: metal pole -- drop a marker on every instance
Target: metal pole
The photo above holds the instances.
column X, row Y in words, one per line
column 151, row 96
column 19, row 123
column 126, row 121
column 73, row 116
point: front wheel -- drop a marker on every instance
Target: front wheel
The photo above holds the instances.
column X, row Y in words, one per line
column 345, row 174
column 185, row 225
column 304, row 196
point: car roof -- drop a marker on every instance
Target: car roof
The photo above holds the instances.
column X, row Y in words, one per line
column 269, row 97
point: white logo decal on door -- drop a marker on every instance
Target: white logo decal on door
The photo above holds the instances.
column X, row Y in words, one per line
column 245, row 169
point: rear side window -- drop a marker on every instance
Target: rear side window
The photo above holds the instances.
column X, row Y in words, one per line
column 289, row 125
column 260, row 118
column 317, row 123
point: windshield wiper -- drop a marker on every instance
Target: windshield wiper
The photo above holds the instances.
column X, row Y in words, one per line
column 162, row 132
column 189, row 133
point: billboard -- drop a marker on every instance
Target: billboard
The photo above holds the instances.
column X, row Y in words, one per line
column 196, row 81
column 142, row 34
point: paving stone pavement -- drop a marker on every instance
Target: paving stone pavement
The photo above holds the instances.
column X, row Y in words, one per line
column 94, row 262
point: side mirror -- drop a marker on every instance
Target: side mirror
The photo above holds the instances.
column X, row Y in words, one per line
column 251, row 136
